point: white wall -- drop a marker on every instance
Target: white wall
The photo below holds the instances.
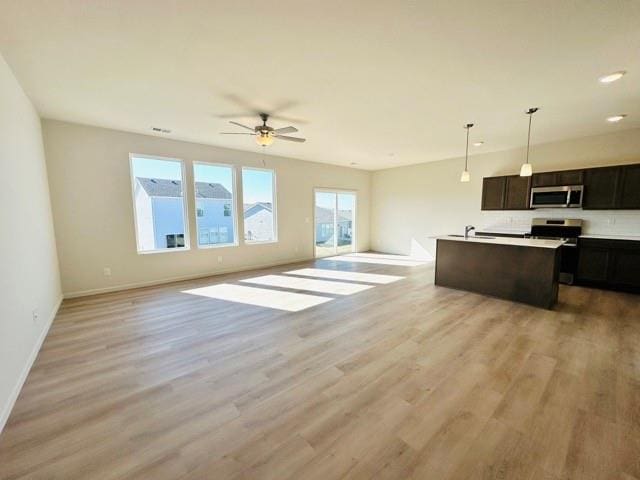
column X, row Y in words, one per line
column 93, row 209
column 410, row 204
column 30, row 278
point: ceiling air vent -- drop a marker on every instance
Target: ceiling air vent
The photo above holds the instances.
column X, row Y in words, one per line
column 160, row 130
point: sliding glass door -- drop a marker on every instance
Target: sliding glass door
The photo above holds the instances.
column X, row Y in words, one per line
column 335, row 215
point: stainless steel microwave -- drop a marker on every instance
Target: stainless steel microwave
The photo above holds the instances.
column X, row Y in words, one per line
column 569, row 196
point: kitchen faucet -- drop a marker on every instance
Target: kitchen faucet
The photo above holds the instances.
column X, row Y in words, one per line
column 467, row 229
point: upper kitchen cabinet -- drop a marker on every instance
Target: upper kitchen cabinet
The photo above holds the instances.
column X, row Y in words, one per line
column 506, row 193
column 493, row 193
column 552, row 179
column 612, row 188
column 629, row 187
column 517, row 192
column 601, row 188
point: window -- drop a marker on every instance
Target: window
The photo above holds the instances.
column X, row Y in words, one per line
column 159, row 206
column 214, row 190
column 258, row 195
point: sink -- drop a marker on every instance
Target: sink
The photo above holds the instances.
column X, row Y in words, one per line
column 455, row 235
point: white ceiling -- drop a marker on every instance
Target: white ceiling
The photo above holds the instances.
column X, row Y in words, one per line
column 380, row 83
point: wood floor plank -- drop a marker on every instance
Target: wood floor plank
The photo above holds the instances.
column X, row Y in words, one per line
column 403, row 380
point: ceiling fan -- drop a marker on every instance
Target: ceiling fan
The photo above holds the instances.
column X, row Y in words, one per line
column 265, row 135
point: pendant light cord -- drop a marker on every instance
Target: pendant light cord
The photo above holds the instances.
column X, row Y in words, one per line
column 466, row 154
column 530, row 112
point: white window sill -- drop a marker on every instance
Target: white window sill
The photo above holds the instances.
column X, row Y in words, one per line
column 164, row 250
column 217, row 245
column 264, row 242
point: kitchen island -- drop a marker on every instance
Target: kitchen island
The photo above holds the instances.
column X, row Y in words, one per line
column 523, row 270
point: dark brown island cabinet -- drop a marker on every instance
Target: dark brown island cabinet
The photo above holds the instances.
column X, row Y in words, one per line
column 613, row 188
column 609, row 263
column 520, row 270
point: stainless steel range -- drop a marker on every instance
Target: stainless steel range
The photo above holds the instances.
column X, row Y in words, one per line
column 567, row 229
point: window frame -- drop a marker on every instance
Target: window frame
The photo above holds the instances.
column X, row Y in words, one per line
column 185, row 206
column 274, row 206
column 233, row 203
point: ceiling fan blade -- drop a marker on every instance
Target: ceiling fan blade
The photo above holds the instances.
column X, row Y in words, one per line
column 241, row 125
column 286, row 130
column 291, row 139
column 236, row 133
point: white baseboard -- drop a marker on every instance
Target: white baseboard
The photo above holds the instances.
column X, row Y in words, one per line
column 129, row 286
column 6, row 410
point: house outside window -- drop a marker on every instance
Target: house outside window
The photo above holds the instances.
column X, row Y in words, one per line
column 259, row 195
column 214, row 191
column 159, row 204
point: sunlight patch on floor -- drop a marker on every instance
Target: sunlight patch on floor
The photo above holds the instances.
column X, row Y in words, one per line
column 260, row 297
column 312, row 285
column 380, row 259
column 343, row 275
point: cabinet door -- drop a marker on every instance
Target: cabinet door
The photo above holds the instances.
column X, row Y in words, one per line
column 625, row 267
column 493, row 191
column 570, row 177
column 544, row 179
column 593, row 264
column 630, row 187
column 601, row 188
column 517, row 193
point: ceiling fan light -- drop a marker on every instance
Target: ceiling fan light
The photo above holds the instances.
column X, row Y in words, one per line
column 526, row 170
column 264, row 139
column 612, row 77
column 465, row 177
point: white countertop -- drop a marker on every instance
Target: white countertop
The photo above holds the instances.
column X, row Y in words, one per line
column 635, row 238
column 518, row 242
column 504, row 231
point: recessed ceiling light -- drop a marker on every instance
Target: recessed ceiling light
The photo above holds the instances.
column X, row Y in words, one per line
column 612, row 77
column 615, row 118
column 478, row 144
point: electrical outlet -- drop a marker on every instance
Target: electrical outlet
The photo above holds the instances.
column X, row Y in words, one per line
column 35, row 315
column 106, row 271
column 219, row 259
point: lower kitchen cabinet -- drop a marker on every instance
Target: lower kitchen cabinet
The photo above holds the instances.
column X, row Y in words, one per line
column 609, row 263
column 593, row 264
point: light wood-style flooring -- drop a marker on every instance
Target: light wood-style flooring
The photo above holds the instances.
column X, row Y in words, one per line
column 399, row 380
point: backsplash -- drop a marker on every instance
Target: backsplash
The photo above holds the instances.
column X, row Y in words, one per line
column 611, row 222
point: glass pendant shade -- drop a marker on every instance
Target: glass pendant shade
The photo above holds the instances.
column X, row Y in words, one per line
column 264, row 139
column 465, row 177
column 526, row 170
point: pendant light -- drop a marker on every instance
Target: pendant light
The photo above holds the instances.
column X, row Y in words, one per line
column 526, row 170
column 465, row 177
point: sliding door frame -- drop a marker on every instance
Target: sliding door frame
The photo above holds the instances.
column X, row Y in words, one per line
column 335, row 217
